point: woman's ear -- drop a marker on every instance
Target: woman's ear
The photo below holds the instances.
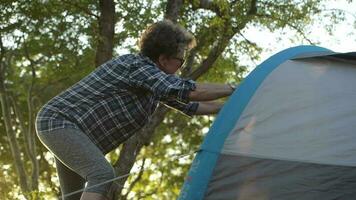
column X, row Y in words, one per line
column 162, row 60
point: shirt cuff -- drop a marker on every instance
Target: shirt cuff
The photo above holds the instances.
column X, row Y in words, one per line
column 188, row 86
column 191, row 108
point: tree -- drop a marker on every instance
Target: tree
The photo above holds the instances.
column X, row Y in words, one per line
column 46, row 46
column 31, row 40
column 215, row 31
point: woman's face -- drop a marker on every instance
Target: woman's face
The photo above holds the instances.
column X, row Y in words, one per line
column 170, row 64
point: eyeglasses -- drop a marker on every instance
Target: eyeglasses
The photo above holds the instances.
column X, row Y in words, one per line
column 181, row 61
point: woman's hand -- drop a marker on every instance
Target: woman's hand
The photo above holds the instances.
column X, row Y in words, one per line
column 210, row 91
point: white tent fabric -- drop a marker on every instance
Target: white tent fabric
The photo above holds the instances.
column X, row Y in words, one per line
column 288, row 132
column 303, row 111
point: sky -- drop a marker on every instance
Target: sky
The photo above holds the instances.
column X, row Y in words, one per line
column 343, row 38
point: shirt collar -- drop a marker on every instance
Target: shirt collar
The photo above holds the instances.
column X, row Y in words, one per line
column 147, row 59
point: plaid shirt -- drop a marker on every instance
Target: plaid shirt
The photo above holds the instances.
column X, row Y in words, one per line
column 116, row 100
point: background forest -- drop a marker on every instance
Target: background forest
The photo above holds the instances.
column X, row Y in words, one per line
column 48, row 45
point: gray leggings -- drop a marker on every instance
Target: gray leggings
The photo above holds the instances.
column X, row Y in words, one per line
column 78, row 160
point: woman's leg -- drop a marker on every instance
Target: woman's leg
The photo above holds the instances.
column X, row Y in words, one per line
column 69, row 181
column 76, row 151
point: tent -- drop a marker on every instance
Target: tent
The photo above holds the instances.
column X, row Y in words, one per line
column 287, row 132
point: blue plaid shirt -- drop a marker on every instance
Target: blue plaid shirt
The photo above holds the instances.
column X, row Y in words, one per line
column 116, row 100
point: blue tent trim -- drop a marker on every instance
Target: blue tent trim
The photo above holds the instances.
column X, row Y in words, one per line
column 205, row 160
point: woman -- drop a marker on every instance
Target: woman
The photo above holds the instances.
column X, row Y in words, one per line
column 105, row 108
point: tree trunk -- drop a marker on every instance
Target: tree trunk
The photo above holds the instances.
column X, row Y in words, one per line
column 11, row 136
column 213, row 55
column 106, row 32
column 132, row 147
column 32, row 140
column 172, row 10
column 29, row 142
column 30, row 133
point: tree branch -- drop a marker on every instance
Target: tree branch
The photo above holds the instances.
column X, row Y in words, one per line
column 49, row 83
column 48, row 176
column 339, row 10
column 2, row 55
column 220, row 45
column 83, row 9
column 106, row 32
column 140, row 196
column 21, row 123
column 253, row 8
column 134, row 182
column 172, row 10
column 289, row 24
column 31, row 136
column 10, row 27
column 11, row 136
column 132, row 146
column 247, row 40
column 216, row 50
column 207, row 5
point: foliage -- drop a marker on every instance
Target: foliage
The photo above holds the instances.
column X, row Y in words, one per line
column 58, row 39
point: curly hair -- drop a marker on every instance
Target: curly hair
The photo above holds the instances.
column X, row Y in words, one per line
column 165, row 37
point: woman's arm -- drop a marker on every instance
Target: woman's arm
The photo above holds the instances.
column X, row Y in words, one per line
column 208, row 108
column 210, row 91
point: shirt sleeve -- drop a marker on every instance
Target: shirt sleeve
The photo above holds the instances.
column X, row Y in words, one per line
column 188, row 109
column 165, row 86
